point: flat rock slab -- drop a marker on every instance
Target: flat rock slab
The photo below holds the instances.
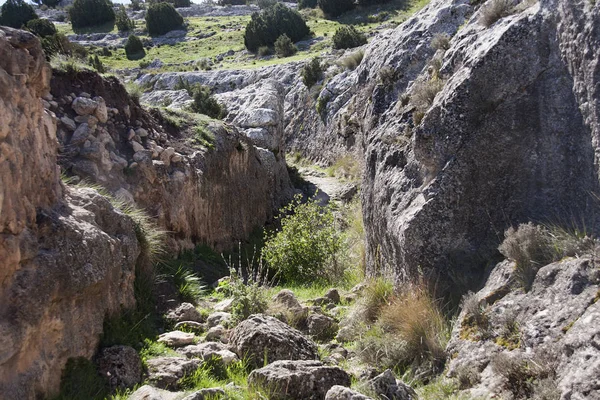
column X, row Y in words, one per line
column 176, row 338
column 166, row 372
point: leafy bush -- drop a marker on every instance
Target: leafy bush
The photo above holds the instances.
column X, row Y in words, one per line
column 181, row 3
column 265, row 27
column 41, row 27
column 306, row 247
column 162, row 18
column 312, row 72
column 335, row 8
column 248, row 298
column 134, row 48
column 60, row 44
column 494, row 10
column 366, row 3
column 205, row 103
column 284, row 46
column 123, row 22
column 307, row 4
column 16, row 13
column 86, row 13
column 264, row 51
column 347, row 37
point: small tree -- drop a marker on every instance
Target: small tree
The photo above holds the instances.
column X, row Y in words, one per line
column 265, row 27
column 16, row 13
column 134, row 48
column 136, row 5
column 312, row 72
column 123, row 22
column 41, row 27
column 306, row 247
column 284, row 46
column 96, row 64
column 205, row 103
column 86, row 13
column 335, row 8
column 181, row 3
column 347, row 37
column 162, row 18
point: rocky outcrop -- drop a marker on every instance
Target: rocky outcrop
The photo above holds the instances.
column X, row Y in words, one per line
column 261, row 338
column 224, row 189
column 528, row 343
column 67, row 257
column 302, row 380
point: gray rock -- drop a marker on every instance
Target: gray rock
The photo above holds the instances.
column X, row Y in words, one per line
column 209, row 393
column 101, row 111
column 261, row 337
column 68, row 123
column 333, row 295
column 321, row 327
column 343, row 393
column 185, row 312
column 302, row 380
column 176, row 338
column 219, row 318
column 166, row 372
column 80, row 135
column 197, row 327
column 209, row 350
column 84, row 106
column 218, row 332
column 224, row 305
column 386, row 386
column 121, row 366
column 148, row 392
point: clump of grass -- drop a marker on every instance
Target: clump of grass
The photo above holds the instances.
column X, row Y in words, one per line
column 190, row 287
column 440, row 41
column 533, row 246
column 353, row 60
column 376, row 295
column 203, row 136
column 135, row 91
column 346, row 167
column 525, row 374
column 494, row 10
column 476, row 323
column 68, row 64
column 423, row 93
column 152, row 349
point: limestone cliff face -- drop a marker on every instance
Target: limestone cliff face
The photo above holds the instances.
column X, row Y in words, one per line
column 67, row 258
column 212, row 195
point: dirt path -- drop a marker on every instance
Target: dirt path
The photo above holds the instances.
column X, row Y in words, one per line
column 327, row 188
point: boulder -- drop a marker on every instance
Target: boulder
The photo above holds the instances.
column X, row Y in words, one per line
column 209, row 350
column 218, row 332
column 208, row 393
column 101, row 112
column 166, row 372
column 333, row 295
column 185, row 312
column 338, row 392
column 176, row 338
column 121, row 366
column 219, row 318
column 300, row 380
column 261, row 337
column 80, row 135
column 148, row 392
column 321, row 327
column 84, row 106
column 287, row 298
column 224, row 305
column 386, row 386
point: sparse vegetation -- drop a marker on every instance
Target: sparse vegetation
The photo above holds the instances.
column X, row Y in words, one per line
column 494, row 10
column 41, row 27
column 347, row 37
column 265, row 27
column 205, row 103
column 123, row 22
column 440, row 41
column 88, row 13
column 16, row 13
column 302, row 4
column 162, row 18
column 81, row 381
column 423, row 94
column 353, row 60
column 312, row 72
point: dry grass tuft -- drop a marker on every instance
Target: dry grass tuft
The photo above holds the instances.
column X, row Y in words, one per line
column 494, row 10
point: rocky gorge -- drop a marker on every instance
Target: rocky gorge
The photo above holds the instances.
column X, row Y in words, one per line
column 467, row 123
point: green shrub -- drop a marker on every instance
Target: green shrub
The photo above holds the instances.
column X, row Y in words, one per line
column 16, row 13
column 136, row 5
column 162, row 18
column 306, row 247
column 134, row 48
column 307, row 4
column 96, row 64
column 41, row 27
column 80, row 380
column 423, row 93
column 248, row 298
column 205, row 103
column 312, row 72
column 60, row 44
column 123, row 22
column 284, row 47
column 265, row 27
column 347, row 37
column 86, row 13
column 335, row 8
column 264, row 51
